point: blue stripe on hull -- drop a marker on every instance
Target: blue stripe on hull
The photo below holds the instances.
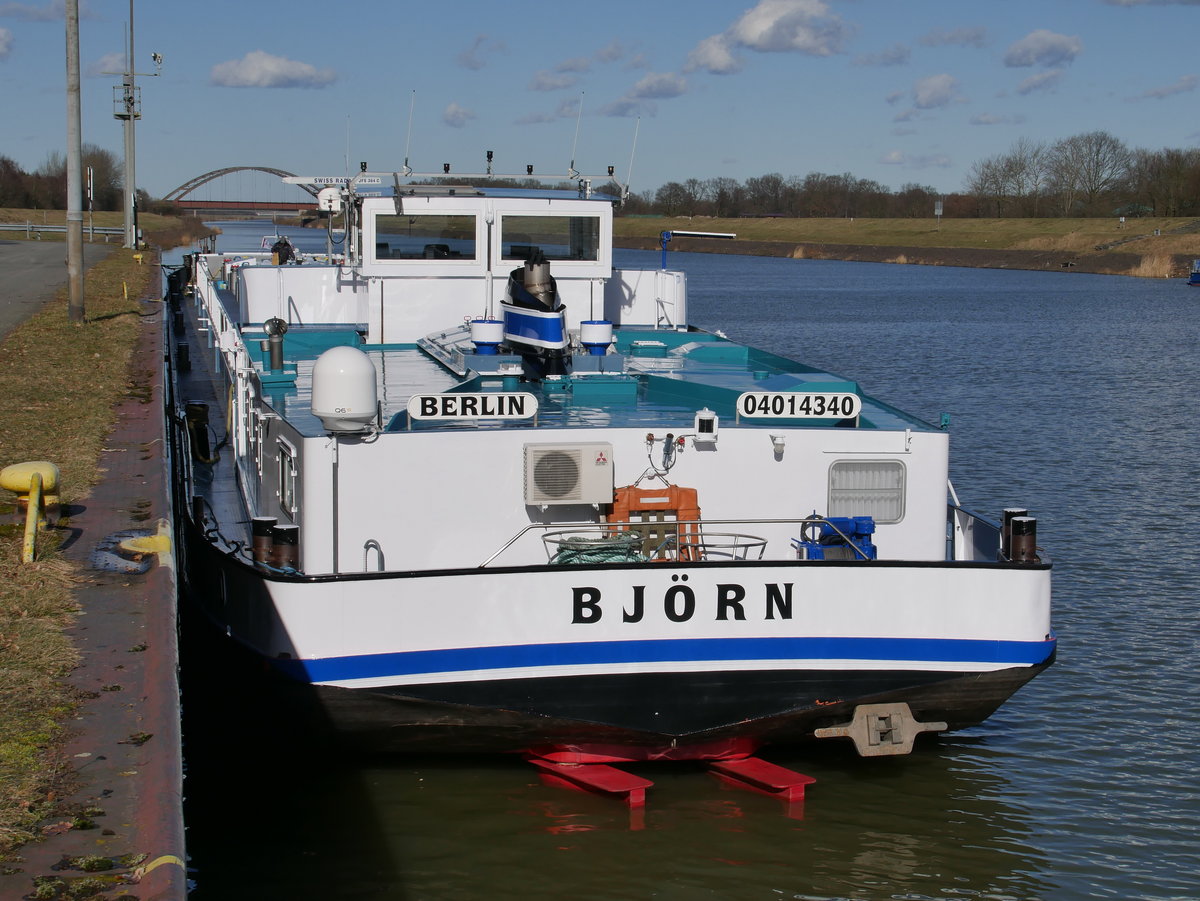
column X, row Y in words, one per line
column 769, row 650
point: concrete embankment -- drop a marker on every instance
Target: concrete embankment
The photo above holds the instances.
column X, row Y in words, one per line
column 1108, row 263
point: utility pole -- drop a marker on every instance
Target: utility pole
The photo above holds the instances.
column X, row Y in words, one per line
column 128, row 110
column 75, row 310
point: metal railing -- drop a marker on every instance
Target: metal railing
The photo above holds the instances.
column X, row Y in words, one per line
column 33, row 230
column 715, row 545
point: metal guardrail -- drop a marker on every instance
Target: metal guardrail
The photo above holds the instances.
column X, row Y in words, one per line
column 33, row 230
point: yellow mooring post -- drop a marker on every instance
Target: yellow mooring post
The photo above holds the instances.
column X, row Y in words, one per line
column 33, row 518
column 36, row 485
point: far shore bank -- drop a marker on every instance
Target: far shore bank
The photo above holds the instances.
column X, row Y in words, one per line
column 1145, row 247
column 1106, row 263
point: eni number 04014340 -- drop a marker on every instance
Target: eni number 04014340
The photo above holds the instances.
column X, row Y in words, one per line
column 799, row 405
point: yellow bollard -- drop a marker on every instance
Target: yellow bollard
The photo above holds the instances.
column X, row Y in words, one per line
column 36, row 486
column 33, row 518
column 125, row 290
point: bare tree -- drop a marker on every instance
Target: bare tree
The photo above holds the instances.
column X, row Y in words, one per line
column 1165, row 180
column 670, row 198
column 727, row 197
column 1025, row 173
column 1084, row 168
column 987, row 183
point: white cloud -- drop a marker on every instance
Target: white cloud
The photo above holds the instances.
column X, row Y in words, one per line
column 935, row 91
column 568, row 109
column 639, row 100
column 780, row 26
column 106, row 65
column 918, row 161
column 1043, row 48
column 990, row 119
column 896, row 55
column 259, row 69
column 456, row 116
column 610, row 53
column 475, row 56
column 713, row 55
column 958, row 37
column 535, row 119
column 659, row 85
column 772, row 26
column 1185, row 84
column 5, row 42
column 1043, row 81
column 628, row 107
column 551, row 81
column 578, row 64
column 893, row 98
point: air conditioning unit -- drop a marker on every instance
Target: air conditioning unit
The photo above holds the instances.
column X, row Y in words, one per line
column 579, row 473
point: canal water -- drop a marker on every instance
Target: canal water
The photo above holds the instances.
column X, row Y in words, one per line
column 1071, row 394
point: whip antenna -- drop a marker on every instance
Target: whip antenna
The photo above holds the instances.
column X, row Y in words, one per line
column 571, row 173
column 629, row 174
column 408, row 137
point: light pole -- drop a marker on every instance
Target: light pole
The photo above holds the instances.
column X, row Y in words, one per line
column 127, row 106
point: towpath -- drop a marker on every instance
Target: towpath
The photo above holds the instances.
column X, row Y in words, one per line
column 32, row 271
column 124, row 739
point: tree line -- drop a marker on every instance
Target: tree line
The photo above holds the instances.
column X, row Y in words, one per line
column 1091, row 174
column 46, row 187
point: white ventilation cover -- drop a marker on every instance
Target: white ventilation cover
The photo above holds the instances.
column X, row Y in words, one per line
column 578, row 473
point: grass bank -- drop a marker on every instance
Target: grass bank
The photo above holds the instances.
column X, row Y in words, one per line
column 1098, row 245
column 59, row 382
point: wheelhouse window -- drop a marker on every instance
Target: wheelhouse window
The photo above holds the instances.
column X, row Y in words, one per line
column 557, row 237
column 425, row 236
column 867, row 488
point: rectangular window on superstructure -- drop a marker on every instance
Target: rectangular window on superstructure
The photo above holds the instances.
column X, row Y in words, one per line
column 867, row 488
column 425, row 236
column 288, row 501
column 557, row 237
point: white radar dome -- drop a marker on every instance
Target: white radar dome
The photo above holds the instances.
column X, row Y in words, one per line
column 343, row 390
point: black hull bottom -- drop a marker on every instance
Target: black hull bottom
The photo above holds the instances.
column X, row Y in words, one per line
column 662, row 714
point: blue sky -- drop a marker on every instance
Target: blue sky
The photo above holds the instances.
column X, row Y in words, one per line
column 894, row 91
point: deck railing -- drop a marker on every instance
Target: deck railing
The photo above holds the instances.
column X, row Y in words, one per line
column 673, row 541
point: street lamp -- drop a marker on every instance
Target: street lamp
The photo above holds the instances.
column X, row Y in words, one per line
column 127, row 106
